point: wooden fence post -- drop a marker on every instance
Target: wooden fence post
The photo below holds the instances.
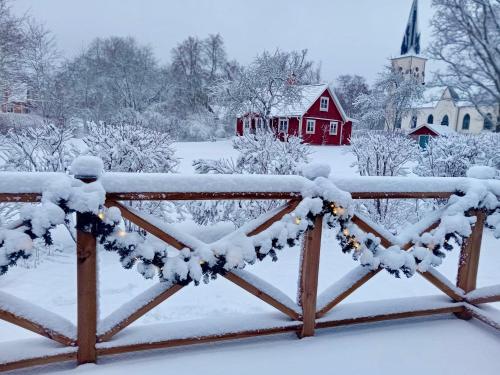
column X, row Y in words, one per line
column 309, row 270
column 468, row 262
column 86, row 253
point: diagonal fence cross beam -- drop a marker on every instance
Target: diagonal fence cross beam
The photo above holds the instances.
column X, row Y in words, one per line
column 352, row 282
column 37, row 319
column 118, row 320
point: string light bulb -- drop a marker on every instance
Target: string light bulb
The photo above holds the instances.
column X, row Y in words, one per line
column 297, row 220
column 122, row 233
column 100, row 215
column 340, row 210
column 345, row 232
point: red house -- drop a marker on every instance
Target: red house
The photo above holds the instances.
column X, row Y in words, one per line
column 318, row 118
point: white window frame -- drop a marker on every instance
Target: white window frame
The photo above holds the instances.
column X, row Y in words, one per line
column 313, row 122
column 336, row 124
column 327, row 100
column 283, row 121
column 246, row 124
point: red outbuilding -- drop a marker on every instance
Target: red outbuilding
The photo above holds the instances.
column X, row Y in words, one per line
column 424, row 132
column 318, row 118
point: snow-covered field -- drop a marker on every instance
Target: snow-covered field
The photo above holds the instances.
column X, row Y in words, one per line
column 435, row 346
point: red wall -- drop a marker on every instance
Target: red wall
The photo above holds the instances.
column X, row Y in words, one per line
column 322, row 130
column 424, row 130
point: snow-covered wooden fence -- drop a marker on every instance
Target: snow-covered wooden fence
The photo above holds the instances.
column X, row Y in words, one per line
column 93, row 338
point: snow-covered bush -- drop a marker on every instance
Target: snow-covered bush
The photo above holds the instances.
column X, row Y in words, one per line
column 381, row 153
column 384, row 153
column 42, row 148
column 126, row 146
column 451, row 155
column 260, row 153
column 130, row 147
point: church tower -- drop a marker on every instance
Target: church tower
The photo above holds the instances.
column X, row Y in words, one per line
column 410, row 61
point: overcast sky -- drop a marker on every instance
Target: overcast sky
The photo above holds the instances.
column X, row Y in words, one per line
column 346, row 36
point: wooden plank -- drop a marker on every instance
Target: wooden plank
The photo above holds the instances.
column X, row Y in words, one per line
column 87, row 294
column 289, row 207
column 429, row 276
column 367, row 228
column 182, row 196
column 23, row 363
column 347, row 293
column 36, row 328
column 468, row 263
column 139, row 312
column 391, row 316
column 308, row 284
column 400, row 195
column 193, row 196
column 20, row 197
column 479, row 300
column 476, row 313
column 434, row 280
column 139, row 221
column 197, row 340
column 261, row 295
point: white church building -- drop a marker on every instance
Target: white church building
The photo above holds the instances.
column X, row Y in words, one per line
column 442, row 105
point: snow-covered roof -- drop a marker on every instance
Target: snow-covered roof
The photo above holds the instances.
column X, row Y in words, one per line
column 310, row 93
column 438, row 129
column 434, row 94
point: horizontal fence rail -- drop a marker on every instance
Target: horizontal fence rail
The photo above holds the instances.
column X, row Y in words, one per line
column 93, row 338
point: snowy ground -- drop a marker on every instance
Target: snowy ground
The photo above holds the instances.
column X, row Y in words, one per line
column 434, row 346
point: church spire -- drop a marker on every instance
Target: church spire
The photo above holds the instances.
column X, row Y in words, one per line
column 411, row 39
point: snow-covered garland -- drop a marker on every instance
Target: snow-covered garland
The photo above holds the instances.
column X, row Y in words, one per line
column 62, row 198
column 202, row 262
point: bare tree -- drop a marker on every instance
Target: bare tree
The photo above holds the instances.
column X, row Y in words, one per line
column 12, row 44
column 111, row 74
column 27, row 57
column 467, row 39
column 393, row 96
column 271, row 80
column 348, row 88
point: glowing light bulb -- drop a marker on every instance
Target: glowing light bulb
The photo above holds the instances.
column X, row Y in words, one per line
column 357, row 245
column 122, row 233
column 101, row 215
column 298, row 220
column 345, row 232
column 340, row 210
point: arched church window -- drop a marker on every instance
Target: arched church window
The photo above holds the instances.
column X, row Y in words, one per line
column 466, row 122
column 445, row 121
column 488, row 122
column 430, row 119
column 413, row 123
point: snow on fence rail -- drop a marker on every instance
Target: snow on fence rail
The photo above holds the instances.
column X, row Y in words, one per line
column 112, row 335
column 28, row 186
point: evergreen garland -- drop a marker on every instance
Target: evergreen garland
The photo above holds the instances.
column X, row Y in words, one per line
column 111, row 237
